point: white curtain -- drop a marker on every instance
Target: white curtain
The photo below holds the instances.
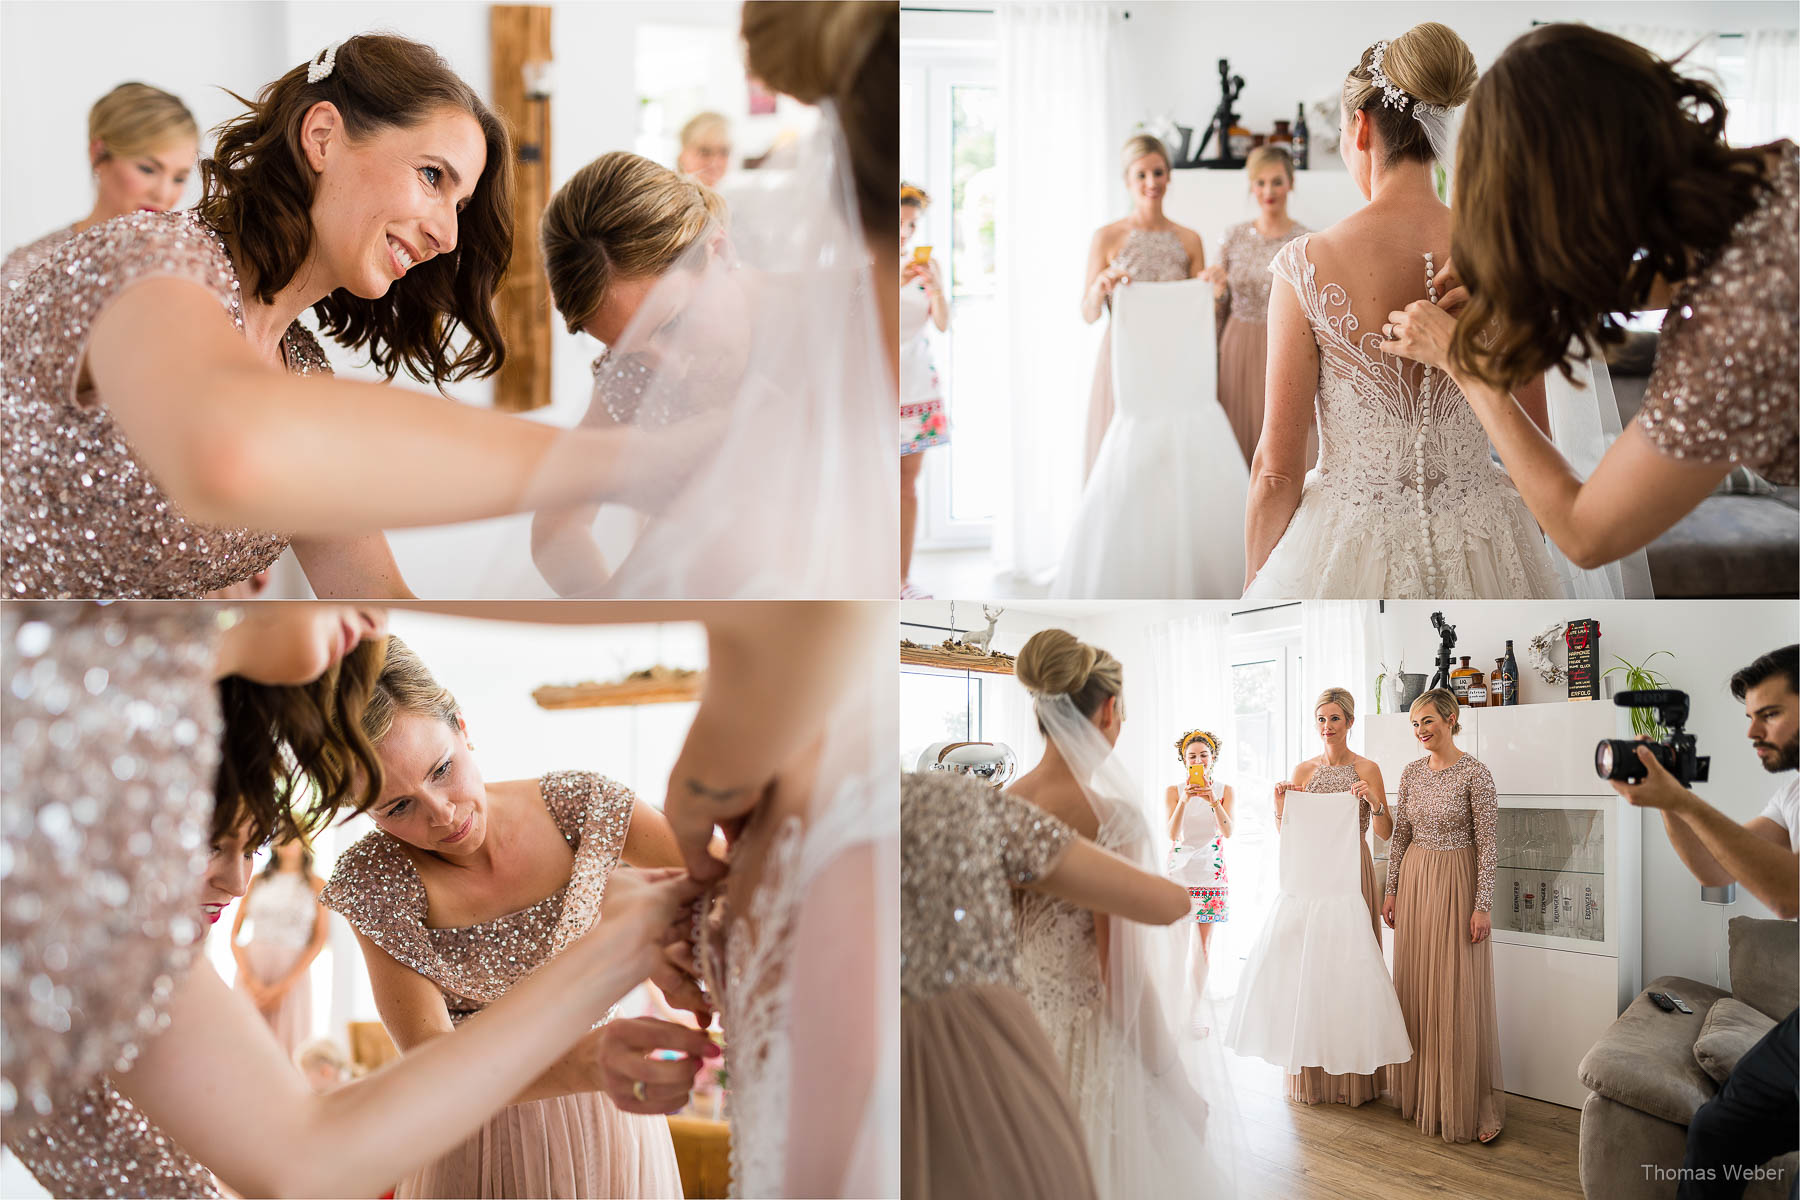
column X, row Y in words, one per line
column 1054, row 148
column 1770, row 108
column 1335, row 639
column 1190, row 672
column 1007, row 718
column 1698, row 49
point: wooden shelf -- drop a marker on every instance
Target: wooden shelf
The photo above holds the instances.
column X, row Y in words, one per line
column 932, row 656
column 678, row 690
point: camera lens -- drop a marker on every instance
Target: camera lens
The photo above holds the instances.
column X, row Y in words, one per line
column 1616, row 758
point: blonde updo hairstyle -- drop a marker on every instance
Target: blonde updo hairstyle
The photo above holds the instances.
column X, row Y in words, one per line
column 1432, row 65
column 406, row 684
column 1340, row 697
column 1443, row 702
column 700, row 124
column 1269, row 156
column 135, row 118
column 1137, row 146
column 847, row 53
column 620, row 217
column 1054, row 662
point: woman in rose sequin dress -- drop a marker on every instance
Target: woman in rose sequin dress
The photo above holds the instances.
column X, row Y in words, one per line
column 1440, row 893
column 141, row 142
column 1341, row 769
column 464, row 890
column 157, row 441
column 1145, row 246
column 1241, row 282
column 116, row 739
column 1707, row 231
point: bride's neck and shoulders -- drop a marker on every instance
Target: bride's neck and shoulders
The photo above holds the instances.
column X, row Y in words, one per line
column 1403, row 213
column 1052, row 787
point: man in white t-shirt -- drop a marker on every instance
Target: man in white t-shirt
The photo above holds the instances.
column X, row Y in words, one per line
column 1753, row 1117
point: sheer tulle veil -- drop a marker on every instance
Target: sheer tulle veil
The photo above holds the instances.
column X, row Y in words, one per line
column 758, row 356
column 1176, row 1130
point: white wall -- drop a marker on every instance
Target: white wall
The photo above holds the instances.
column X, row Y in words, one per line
column 1709, row 641
column 1174, row 48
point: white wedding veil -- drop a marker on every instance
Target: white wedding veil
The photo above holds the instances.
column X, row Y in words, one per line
column 1175, row 1129
column 763, row 346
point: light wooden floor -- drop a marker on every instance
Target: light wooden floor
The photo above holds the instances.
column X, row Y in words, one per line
column 1329, row 1152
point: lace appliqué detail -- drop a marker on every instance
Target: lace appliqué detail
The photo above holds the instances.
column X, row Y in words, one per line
column 1405, row 477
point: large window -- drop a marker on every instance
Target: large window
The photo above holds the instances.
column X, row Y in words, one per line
column 949, row 116
column 937, row 706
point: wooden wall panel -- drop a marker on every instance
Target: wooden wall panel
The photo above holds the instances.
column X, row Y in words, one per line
column 519, row 34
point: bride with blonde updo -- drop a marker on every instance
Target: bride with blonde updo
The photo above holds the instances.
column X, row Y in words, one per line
column 1406, row 500
column 1109, row 993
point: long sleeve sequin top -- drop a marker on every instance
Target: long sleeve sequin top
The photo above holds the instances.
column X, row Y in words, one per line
column 1447, row 810
column 109, row 741
column 963, row 847
column 79, row 515
column 377, row 889
column 1726, row 385
column 1246, row 256
column 25, row 259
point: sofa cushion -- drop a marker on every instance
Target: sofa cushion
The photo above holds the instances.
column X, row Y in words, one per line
column 1728, row 546
column 1645, row 1059
column 1765, row 965
column 1730, row 1029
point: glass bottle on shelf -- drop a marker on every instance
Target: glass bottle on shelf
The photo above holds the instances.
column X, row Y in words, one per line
column 1300, row 139
column 1461, row 678
column 1511, row 665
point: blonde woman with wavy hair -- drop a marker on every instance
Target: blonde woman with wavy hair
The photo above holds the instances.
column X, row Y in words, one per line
column 1440, row 897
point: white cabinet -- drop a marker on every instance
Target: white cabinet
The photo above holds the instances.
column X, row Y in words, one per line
column 1567, row 905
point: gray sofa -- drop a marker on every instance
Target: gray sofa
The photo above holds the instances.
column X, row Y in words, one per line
column 1742, row 541
column 1651, row 1070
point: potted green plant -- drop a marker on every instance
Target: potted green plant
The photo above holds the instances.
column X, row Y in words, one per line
column 1639, row 677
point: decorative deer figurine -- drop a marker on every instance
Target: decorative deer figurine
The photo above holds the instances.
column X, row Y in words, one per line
column 972, row 639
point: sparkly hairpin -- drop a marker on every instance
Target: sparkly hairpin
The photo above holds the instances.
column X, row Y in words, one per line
column 1392, row 96
column 320, row 68
column 1192, row 735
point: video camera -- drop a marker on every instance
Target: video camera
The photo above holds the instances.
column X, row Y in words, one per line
column 1616, row 758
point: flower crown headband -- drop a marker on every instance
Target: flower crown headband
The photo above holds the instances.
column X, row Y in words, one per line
column 1392, row 94
column 1196, row 735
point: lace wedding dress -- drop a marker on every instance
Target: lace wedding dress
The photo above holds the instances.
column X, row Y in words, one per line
column 1406, row 502
column 771, row 997
column 1149, row 1132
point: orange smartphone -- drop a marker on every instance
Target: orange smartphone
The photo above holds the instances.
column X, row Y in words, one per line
column 1197, row 775
column 921, row 254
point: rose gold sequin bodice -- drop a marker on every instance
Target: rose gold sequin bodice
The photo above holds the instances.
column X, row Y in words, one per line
column 377, row 889
column 26, row 259
column 79, row 515
column 1341, row 778
column 109, row 740
column 1727, row 378
column 1447, row 810
column 98, row 1143
column 962, row 848
column 1246, row 255
column 1153, row 256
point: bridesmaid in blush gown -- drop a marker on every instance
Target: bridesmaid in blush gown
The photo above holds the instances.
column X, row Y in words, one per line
column 1240, row 282
column 1340, row 769
column 985, row 1111
column 1440, row 892
column 288, row 928
column 1145, row 246
column 464, row 890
